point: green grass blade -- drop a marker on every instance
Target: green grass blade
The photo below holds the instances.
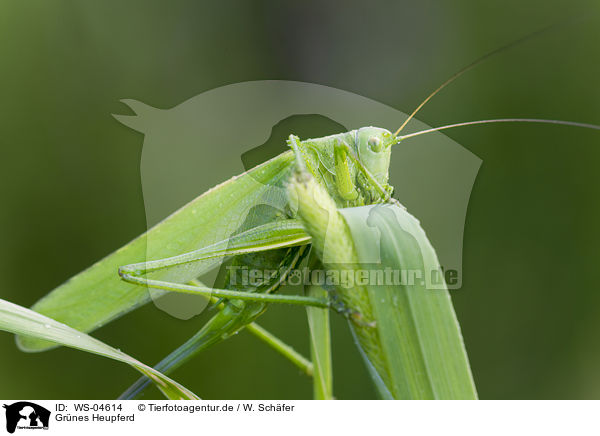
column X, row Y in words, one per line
column 320, row 346
column 419, row 352
column 19, row 320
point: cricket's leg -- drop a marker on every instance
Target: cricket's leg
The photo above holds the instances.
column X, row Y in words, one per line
column 279, row 234
column 301, row 160
column 225, row 293
column 274, row 342
column 345, row 184
column 233, row 317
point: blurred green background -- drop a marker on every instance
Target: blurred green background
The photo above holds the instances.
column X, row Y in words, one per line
column 70, row 182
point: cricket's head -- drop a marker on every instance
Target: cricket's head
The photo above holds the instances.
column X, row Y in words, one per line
column 374, row 149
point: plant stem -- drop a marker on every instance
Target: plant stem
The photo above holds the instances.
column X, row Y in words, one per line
column 320, row 347
column 286, row 350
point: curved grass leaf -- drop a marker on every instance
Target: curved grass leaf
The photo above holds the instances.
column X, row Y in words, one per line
column 420, row 352
column 22, row 321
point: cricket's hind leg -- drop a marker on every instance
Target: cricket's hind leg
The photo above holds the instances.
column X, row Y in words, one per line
column 237, row 312
column 224, row 293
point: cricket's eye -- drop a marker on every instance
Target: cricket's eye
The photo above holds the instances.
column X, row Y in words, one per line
column 374, row 143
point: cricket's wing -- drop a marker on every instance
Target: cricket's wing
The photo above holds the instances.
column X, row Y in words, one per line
column 97, row 296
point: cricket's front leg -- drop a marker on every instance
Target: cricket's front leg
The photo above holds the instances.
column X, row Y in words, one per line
column 343, row 151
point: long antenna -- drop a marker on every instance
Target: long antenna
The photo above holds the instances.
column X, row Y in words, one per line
column 472, row 65
column 501, row 120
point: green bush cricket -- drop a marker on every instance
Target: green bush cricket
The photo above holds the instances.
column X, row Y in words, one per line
column 351, row 168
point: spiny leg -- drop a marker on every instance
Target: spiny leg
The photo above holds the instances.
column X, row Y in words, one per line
column 279, row 234
column 344, row 182
column 225, row 293
column 271, row 340
column 302, row 163
column 233, row 316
